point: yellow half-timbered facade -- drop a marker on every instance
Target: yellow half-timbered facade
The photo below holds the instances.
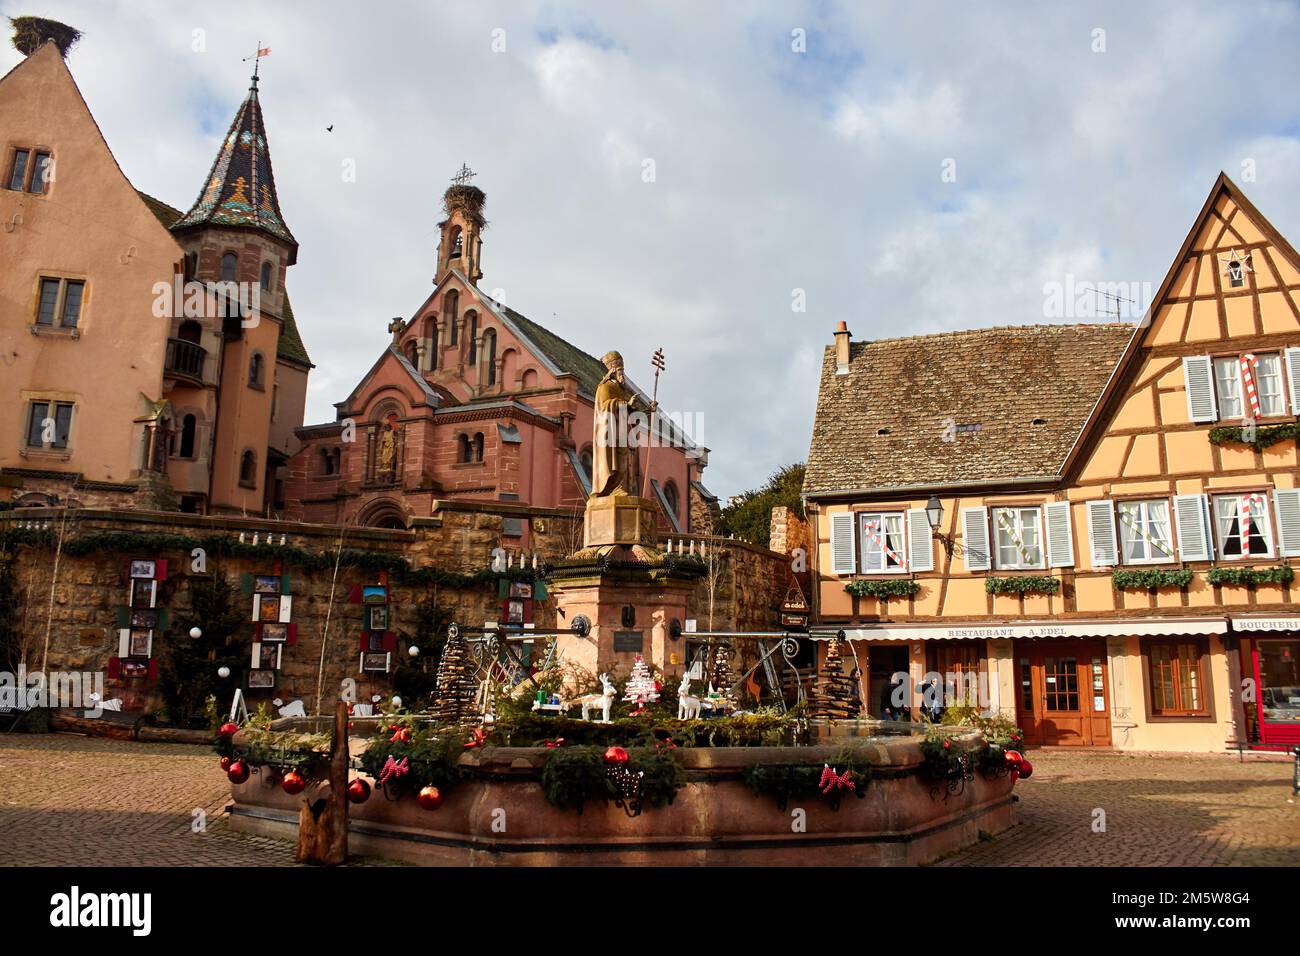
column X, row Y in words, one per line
column 1089, row 525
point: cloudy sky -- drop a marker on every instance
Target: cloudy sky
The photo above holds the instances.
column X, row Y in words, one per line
column 672, row 174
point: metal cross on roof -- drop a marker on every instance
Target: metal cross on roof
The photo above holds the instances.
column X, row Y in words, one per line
column 463, row 175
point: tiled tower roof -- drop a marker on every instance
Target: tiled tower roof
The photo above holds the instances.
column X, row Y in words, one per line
column 240, row 189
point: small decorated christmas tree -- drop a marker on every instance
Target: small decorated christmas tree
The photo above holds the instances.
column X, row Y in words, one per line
column 640, row 687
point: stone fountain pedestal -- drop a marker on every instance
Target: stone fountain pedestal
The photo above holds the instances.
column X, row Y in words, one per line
column 632, row 594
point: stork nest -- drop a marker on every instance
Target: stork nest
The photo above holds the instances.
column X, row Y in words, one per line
column 31, row 32
column 467, row 199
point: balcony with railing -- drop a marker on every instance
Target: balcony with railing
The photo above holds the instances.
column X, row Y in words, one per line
column 185, row 359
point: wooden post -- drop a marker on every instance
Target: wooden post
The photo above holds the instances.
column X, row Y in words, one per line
column 323, row 819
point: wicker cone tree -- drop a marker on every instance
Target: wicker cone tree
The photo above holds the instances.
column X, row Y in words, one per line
column 456, row 687
column 835, row 694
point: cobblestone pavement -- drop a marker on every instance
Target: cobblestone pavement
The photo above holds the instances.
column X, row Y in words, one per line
column 1160, row 810
column 67, row 800
column 84, row 801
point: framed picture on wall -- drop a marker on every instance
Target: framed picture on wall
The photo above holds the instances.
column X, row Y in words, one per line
column 140, row 642
column 375, row 661
column 268, row 656
column 143, row 592
column 266, row 584
column 521, row 589
column 261, row 679
column 377, row 617
column 146, row 570
column 268, row 607
column 274, row 632
column 144, row 617
column 374, row 593
column 515, row 612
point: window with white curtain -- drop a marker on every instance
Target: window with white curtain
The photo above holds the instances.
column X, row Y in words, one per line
column 1227, row 383
column 1268, row 384
column 881, row 535
column 1144, row 531
column 1241, row 526
column 1019, row 538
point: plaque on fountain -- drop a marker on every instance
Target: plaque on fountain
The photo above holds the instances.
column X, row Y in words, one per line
column 629, row 641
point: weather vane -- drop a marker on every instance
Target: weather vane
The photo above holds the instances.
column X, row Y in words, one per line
column 463, row 175
column 257, row 58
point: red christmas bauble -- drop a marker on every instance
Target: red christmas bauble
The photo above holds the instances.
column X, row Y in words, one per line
column 358, row 791
column 1013, row 757
column 430, row 798
column 228, row 729
column 225, row 763
column 1025, row 768
column 238, row 772
column 947, row 745
column 293, row 783
column 616, row 755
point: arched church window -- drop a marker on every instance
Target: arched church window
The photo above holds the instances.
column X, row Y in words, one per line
column 266, row 276
column 190, row 331
column 489, row 356
column 466, row 453
column 248, row 469
column 457, row 243
column 471, row 328
column 256, row 370
column 478, row 446
column 229, row 267
column 672, row 497
column 327, row 461
column 451, row 313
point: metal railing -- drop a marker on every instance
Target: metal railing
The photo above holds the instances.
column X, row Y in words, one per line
column 185, row 358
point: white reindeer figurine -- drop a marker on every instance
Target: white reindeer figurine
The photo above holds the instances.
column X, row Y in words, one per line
column 604, row 700
column 688, row 707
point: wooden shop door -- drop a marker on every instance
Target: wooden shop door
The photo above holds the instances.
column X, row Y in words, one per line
column 1064, row 698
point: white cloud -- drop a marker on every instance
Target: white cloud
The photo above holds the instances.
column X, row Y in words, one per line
column 775, row 170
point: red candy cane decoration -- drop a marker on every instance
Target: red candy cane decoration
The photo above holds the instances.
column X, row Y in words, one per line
column 1247, row 503
column 393, row 768
column 1248, row 365
column 836, row 781
column 872, row 530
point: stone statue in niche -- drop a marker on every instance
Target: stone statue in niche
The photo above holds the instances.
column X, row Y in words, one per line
column 616, row 460
column 388, row 452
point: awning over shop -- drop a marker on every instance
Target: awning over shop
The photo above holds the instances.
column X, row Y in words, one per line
column 1131, row 627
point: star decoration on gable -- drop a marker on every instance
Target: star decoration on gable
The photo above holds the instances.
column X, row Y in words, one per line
column 1235, row 263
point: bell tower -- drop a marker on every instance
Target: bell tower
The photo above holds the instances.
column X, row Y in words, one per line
column 461, row 244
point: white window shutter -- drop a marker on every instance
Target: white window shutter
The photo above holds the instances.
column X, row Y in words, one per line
column 843, row 554
column 1199, row 375
column 1190, row 515
column 1103, row 544
column 920, row 548
column 975, row 538
column 1060, row 535
column 124, row 642
column 1293, row 378
column 1286, row 502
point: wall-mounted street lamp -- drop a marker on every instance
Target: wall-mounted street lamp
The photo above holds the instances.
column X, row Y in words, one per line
column 934, row 512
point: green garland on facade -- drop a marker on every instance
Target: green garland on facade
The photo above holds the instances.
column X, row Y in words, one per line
column 1249, row 577
column 1268, row 435
column 226, row 545
column 883, row 589
column 1148, row 579
column 1023, row 584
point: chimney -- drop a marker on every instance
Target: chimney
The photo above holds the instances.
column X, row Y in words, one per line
column 842, row 349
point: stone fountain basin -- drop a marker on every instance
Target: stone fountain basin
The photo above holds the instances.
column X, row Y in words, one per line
column 501, row 818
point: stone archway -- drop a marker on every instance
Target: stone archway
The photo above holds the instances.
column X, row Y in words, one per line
column 383, row 513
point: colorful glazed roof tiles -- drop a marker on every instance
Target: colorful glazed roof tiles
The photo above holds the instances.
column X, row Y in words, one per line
column 240, row 189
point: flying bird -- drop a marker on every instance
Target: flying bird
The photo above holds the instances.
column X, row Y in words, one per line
column 330, row 128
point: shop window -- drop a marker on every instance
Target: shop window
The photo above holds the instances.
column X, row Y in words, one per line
column 1279, row 682
column 1144, row 531
column 1176, row 672
column 1018, row 537
column 1241, row 526
column 880, row 536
